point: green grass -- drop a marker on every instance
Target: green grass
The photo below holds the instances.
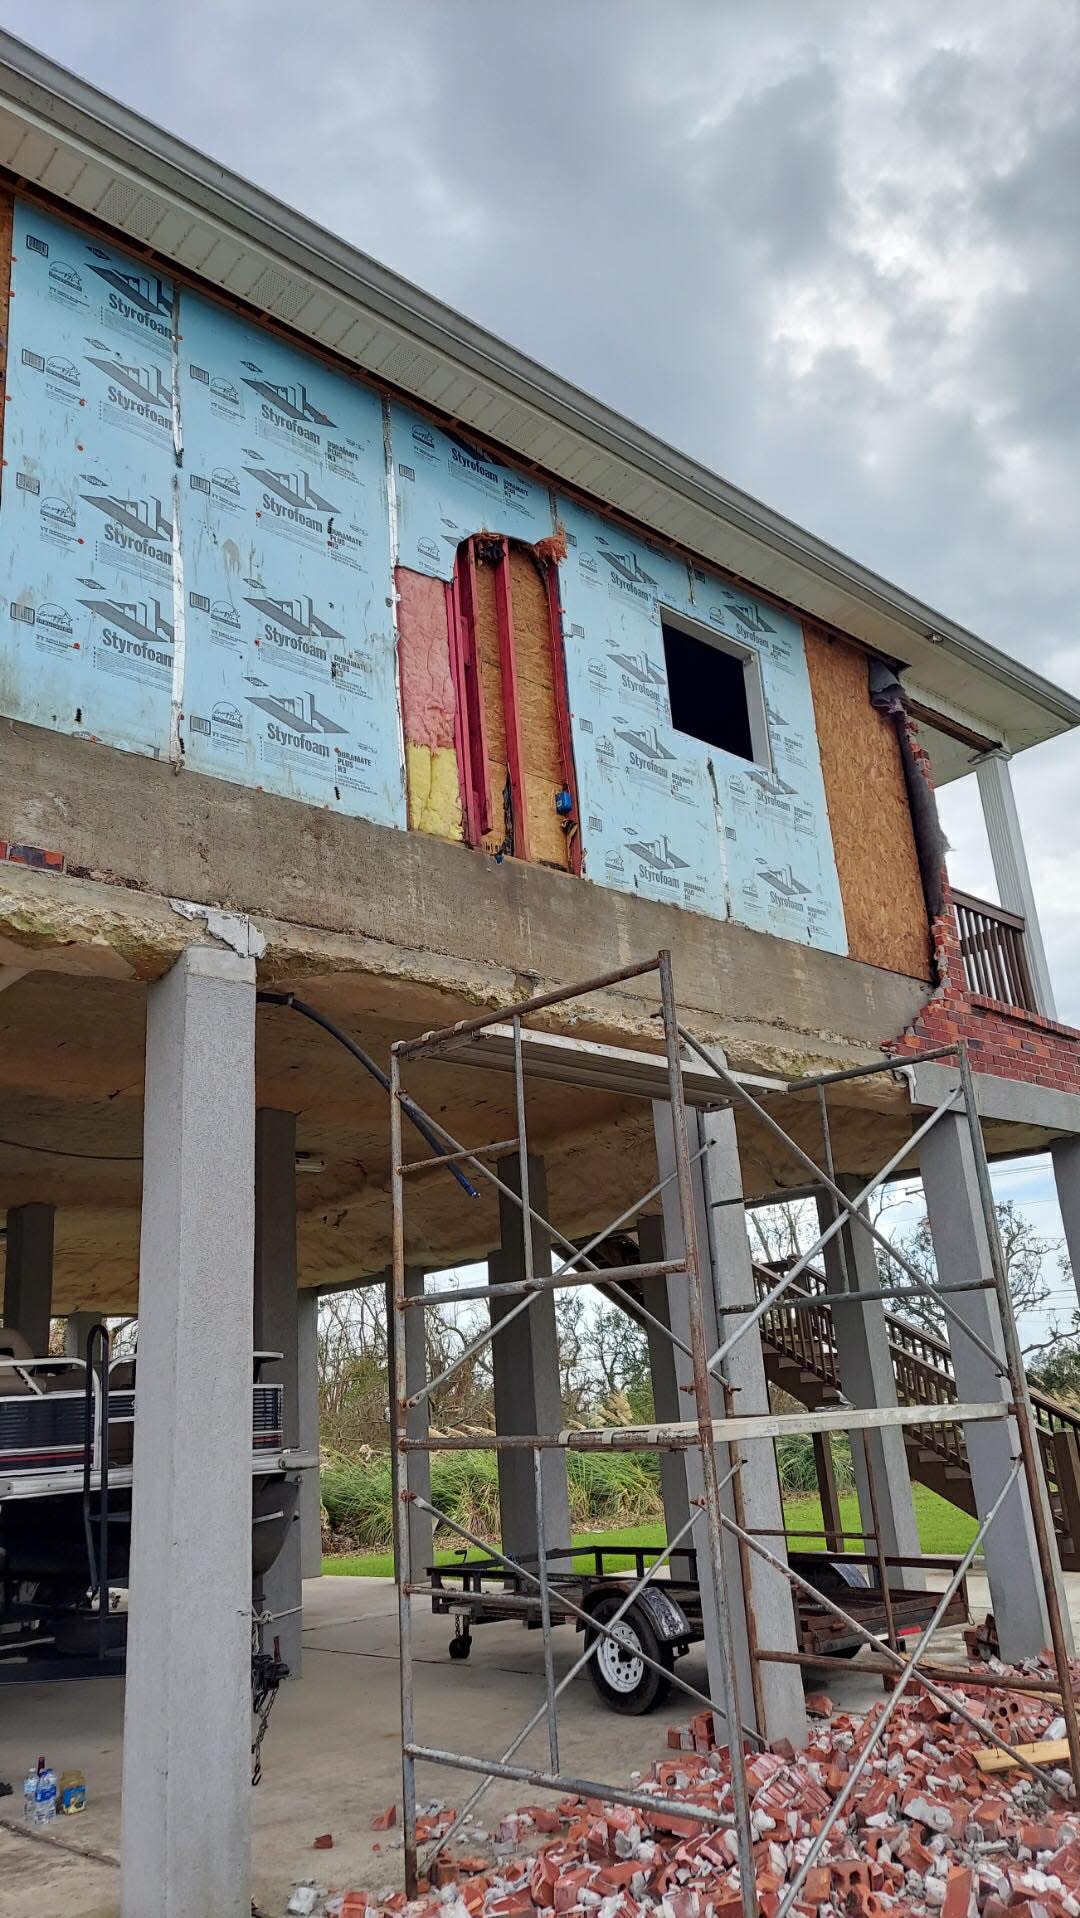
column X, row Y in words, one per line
column 943, row 1529
column 606, row 1491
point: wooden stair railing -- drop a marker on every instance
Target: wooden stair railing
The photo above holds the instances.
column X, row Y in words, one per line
column 800, row 1358
column 799, row 1349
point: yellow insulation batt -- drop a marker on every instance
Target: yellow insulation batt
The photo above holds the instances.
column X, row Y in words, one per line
column 434, row 790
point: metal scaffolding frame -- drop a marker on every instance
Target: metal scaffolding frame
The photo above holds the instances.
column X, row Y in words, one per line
column 704, row 1433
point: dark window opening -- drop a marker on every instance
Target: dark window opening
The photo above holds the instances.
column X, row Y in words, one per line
column 707, row 691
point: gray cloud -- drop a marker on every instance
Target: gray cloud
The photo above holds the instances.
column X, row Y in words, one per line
column 832, row 249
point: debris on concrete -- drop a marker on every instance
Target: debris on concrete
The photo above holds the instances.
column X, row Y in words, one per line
column 925, row 1835
column 324, row 1842
column 982, row 1640
column 306, row 1900
column 383, row 1820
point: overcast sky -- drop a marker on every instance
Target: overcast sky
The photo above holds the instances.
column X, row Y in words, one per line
column 831, row 249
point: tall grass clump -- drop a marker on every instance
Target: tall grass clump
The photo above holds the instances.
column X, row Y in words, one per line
column 612, row 1490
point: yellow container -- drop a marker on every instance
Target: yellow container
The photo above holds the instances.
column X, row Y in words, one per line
column 71, row 1793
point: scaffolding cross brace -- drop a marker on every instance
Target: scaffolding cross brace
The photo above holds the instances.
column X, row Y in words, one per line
column 704, row 1432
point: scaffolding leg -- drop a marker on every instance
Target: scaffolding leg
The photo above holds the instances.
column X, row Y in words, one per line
column 713, row 1510
column 399, row 1468
column 1046, row 1543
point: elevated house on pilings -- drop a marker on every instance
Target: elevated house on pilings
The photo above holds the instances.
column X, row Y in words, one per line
column 349, row 654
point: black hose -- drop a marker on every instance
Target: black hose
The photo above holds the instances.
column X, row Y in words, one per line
column 410, row 1109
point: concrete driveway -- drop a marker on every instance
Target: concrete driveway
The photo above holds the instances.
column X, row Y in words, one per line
column 332, row 1753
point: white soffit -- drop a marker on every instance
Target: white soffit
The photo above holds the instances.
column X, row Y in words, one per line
column 61, row 136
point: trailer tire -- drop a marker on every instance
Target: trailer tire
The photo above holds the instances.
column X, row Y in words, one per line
column 460, row 1647
column 622, row 1678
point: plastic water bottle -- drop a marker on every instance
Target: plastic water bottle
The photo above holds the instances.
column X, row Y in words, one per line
column 30, row 1792
column 45, row 1794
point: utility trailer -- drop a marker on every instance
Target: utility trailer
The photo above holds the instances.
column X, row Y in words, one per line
column 67, row 1430
column 665, row 1618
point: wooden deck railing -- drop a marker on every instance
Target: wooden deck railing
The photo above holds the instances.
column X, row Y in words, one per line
column 994, row 953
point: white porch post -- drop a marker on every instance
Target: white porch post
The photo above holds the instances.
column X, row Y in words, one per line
column 1011, row 869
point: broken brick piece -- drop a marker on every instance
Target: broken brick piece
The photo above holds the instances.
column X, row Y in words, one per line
column 819, row 1705
column 383, row 1820
column 958, row 1884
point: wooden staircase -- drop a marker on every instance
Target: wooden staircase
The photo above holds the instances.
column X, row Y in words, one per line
column 800, row 1358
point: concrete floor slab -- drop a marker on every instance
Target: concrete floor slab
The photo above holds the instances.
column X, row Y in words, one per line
column 331, row 1758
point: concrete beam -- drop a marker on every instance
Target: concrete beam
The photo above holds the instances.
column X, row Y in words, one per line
column 276, row 1328
column 1013, row 1101
column 962, row 1252
column 1011, row 868
column 28, row 1274
column 525, row 1367
column 417, row 1464
column 187, row 1704
column 866, row 1378
column 498, row 923
column 307, row 1373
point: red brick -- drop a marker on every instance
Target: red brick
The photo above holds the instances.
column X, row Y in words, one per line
column 570, row 1884
column 817, row 1883
column 958, row 1885
column 818, row 1705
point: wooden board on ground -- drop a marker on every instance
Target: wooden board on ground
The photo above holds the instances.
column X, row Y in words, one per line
column 1050, row 1751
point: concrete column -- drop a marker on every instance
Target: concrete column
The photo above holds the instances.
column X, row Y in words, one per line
column 307, row 1369
column 77, row 1327
column 962, row 1252
column 668, row 1402
column 725, row 1252
column 28, row 1274
column 1011, row 868
column 1065, row 1158
column 728, row 1245
column 187, row 1703
column 828, row 1494
column 417, row 1464
column 867, row 1379
column 275, row 1326
column 525, row 1365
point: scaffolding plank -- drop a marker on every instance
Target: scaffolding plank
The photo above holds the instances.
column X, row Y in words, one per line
column 685, row 1433
column 778, row 1425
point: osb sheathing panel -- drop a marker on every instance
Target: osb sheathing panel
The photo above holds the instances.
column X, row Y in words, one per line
column 489, row 669
column 428, row 706
column 873, row 841
column 542, row 768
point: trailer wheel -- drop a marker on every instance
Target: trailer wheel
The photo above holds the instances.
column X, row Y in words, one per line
column 618, row 1671
column 460, row 1647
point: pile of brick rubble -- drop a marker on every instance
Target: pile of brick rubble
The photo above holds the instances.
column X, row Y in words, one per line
column 925, row 1833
